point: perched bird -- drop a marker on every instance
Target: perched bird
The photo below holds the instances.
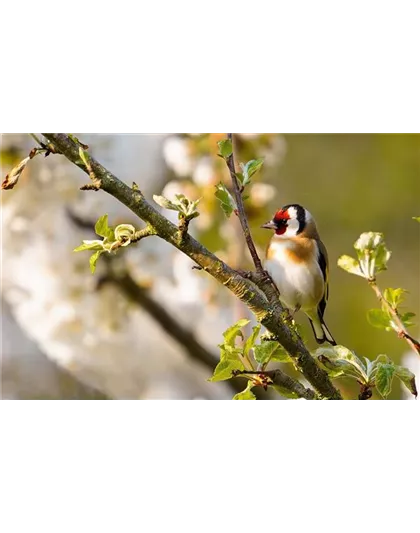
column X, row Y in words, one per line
column 297, row 261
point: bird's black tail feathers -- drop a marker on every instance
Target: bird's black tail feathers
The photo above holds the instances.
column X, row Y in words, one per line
column 321, row 332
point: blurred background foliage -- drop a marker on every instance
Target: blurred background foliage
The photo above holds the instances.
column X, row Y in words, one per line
column 350, row 183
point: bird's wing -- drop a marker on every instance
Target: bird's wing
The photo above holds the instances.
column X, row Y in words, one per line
column 323, row 265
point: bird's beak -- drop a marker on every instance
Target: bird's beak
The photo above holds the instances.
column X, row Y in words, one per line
column 269, row 225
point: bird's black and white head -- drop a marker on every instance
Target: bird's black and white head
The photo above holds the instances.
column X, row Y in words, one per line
column 290, row 221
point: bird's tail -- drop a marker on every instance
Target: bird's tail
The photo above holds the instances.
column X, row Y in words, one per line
column 321, row 332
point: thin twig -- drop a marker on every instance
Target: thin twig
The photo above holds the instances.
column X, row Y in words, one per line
column 401, row 330
column 241, row 210
column 148, row 231
column 36, row 139
column 279, row 378
column 261, row 278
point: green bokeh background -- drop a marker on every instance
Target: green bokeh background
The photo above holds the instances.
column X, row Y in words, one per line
column 352, row 184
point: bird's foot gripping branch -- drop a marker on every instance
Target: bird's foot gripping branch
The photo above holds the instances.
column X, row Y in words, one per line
column 251, row 358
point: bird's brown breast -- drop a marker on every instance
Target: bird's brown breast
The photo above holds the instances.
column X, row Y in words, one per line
column 297, row 250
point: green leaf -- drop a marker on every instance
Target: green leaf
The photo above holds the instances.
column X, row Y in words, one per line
column 345, row 354
column 334, row 368
column 394, row 296
column 234, row 331
column 372, row 252
column 102, row 228
column 225, row 148
column 230, row 353
column 182, row 203
column 372, row 366
column 351, row 265
column 406, row 319
column 378, row 318
column 383, row 379
column 226, row 199
column 124, row 233
column 186, row 206
column 192, row 208
column 225, row 368
column 90, row 245
column 164, row 202
column 285, row 392
column 93, row 260
column 249, row 169
column 271, row 351
column 407, row 378
column 340, row 361
column 416, row 218
column 250, row 342
column 382, row 257
column 83, row 156
column 382, row 358
column 246, row 394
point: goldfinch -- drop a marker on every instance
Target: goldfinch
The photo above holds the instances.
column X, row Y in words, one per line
column 297, row 261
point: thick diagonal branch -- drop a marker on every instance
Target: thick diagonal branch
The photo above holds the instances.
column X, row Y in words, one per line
column 268, row 313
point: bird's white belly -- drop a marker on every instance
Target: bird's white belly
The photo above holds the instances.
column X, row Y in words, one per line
column 300, row 284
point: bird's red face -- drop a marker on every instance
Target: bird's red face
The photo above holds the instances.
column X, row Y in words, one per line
column 279, row 222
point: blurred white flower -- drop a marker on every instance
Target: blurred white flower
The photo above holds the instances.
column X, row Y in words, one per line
column 172, row 188
column 203, row 222
column 203, row 172
column 248, row 135
column 228, row 231
column 177, row 156
column 262, row 193
column 19, row 224
column 189, row 285
column 45, row 174
column 277, row 151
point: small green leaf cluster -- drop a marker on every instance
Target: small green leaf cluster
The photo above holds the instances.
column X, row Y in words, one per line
column 248, row 170
column 112, row 239
column 340, row 362
column 187, row 209
column 238, row 359
column 372, row 256
column 383, row 318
